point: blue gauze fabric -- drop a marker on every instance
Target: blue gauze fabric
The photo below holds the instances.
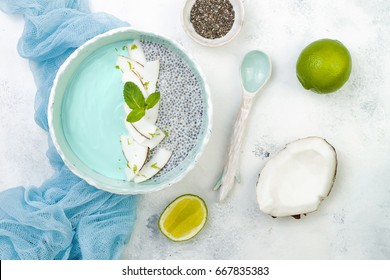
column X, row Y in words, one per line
column 65, row 218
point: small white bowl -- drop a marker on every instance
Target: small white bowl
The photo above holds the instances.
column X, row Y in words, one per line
column 189, row 28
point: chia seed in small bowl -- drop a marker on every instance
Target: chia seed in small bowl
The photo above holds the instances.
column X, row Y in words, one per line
column 212, row 22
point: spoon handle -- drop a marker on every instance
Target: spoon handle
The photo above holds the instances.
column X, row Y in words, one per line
column 232, row 163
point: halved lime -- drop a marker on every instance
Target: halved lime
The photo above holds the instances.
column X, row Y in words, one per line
column 183, row 218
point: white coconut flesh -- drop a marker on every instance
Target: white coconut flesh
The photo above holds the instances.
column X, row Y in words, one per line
column 153, row 166
column 154, row 138
column 146, row 128
column 126, row 65
column 131, row 77
column 135, row 155
column 144, row 135
column 138, row 137
column 129, row 173
column 158, row 136
column 298, row 178
column 151, row 75
column 136, row 51
column 151, row 115
column 145, row 132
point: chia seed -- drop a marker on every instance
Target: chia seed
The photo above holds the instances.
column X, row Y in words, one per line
column 212, row 19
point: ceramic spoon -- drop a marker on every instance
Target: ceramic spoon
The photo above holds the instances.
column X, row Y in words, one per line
column 255, row 71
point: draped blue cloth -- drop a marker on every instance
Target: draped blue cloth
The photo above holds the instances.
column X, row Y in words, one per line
column 64, row 218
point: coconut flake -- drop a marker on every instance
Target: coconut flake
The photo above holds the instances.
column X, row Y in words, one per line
column 151, row 73
column 155, row 140
column 135, row 155
column 153, row 166
column 129, row 65
column 136, row 51
column 298, row 178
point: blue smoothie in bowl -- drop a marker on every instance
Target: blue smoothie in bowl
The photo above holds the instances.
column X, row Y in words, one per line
column 86, row 111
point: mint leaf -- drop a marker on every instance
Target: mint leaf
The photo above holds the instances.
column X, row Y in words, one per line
column 133, row 96
column 135, row 115
column 152, row 100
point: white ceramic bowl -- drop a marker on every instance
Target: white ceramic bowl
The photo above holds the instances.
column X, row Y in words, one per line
column 189, row 28
column 178, row 109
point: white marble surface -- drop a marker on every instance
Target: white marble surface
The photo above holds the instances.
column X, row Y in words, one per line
column 352, row 223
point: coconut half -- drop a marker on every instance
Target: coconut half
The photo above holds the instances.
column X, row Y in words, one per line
column 298, row 178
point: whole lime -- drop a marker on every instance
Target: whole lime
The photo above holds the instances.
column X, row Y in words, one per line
column 183, row 218
column 324, row 66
